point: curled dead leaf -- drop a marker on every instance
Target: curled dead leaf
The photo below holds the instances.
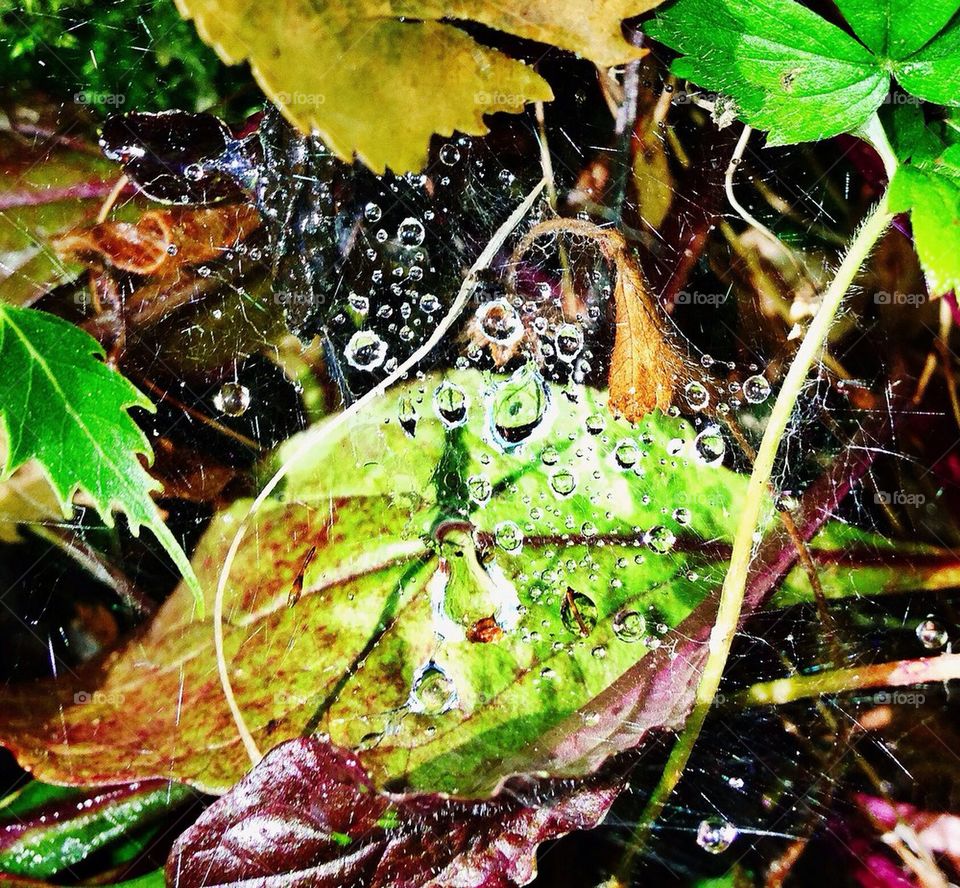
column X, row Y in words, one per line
column 645, row 365
column 161, row 241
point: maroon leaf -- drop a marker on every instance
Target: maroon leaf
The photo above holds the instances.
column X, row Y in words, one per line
column 309, row 815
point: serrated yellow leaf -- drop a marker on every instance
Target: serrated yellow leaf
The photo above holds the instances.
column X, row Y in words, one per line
column 377, row 78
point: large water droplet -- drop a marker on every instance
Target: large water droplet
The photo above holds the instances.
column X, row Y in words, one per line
column 569, row 342
column 500, row 322
column 931, row 633
column 629, row 626
column 716, row 835
column 697, row 395
column 508, row 536
column 519, row 406
column 451, row 402
column 233, row 399
column 709, row 446
column 433, row 692
column 627, row 454
column 578, row 613
column 480, row 489
column 660, row 539
column 449, row 155
column 756, row 389
column 563, row 482
column 372, row 212
column 365, row 350
column 411, row 232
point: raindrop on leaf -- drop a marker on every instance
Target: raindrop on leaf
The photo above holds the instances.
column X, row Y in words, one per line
column 629, row 626
column 433, row 692
column 450, row 401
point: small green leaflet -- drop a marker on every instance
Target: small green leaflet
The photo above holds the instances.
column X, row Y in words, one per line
column 62, row 405
column 927, row 185
column 802, row 78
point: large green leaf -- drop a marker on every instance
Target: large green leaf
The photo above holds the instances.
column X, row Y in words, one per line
column 460, row 597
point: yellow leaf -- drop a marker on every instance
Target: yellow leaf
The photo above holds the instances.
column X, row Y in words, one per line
column 377, row 78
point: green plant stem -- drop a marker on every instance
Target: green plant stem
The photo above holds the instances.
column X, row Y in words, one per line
column 899, row 673
column 734, row 585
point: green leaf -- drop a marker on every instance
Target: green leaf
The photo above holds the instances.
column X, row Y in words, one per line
column 67, row 409
column 895, row 29
column 801, row 78
column 790, row 71
column 378, row 79
column 929, row 189
column 433, row 631
column 47, row 830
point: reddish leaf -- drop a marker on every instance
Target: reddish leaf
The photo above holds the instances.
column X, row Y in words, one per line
column 309, row 815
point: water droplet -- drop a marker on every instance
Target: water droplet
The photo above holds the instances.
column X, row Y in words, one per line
column 756, row 390
column 500, row 322
column 578, row 613
column 451, row 402
column 629, row 626
column 599, row 652
column 627, row 454
column 429, row 303
column 233, row 399
column 519, row 406
column 931, row 633
column 372, row 212
column 716, row 835
column 697, row 395
column 407, row 415
column 508, row 536
column 360, row 304
column 480, row 489
column 660, row 539
column 449, row 155
column 563, row 482
column 682, row 516
column 549, row 456
column 569, row 342
column 432, row 693
column 411, row 232
column 596, row 423
column 365, row 350
column 710, row 446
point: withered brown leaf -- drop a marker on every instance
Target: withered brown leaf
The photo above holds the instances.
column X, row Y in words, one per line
column 161, row 241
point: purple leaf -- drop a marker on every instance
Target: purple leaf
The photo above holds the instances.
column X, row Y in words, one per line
column 309, row 815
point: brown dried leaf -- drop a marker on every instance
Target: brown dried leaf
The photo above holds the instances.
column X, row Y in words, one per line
column 161, row 241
